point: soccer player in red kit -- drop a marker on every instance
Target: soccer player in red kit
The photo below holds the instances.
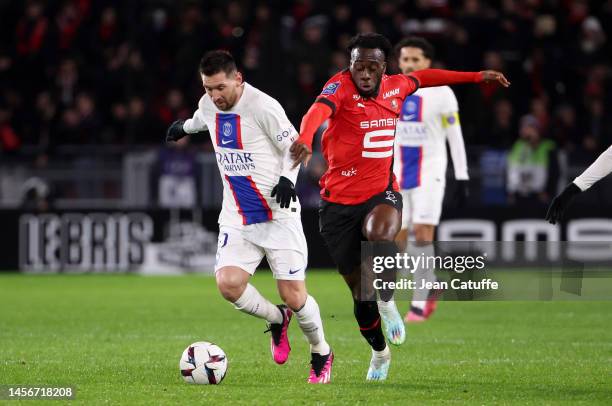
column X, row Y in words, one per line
column 360, row 198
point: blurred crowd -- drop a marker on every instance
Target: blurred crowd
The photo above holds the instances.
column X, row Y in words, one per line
column 118, row 72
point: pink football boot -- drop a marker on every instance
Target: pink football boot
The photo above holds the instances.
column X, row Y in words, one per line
column 279, row 342
column 321, row 368
column 415, row 315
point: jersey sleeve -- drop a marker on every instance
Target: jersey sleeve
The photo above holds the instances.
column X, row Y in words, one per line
column 449, row 110
column 449, row 103
column 442, row 77
column 598, row 169
column 196, row 123
column 333, row 93
column 408, row 84
column 278, row 128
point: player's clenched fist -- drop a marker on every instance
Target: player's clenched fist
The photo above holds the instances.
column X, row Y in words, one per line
column 175, row 131
column 300, row 153
column 494, row 76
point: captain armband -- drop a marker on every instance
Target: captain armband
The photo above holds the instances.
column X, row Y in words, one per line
column 450, row 119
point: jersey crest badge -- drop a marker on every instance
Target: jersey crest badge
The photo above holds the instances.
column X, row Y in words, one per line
column 412, row 109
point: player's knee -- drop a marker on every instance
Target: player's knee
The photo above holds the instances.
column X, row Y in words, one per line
column 382, row 223
column 295, row 301
column 382, row 232
column 293, row 295
column 230, row 285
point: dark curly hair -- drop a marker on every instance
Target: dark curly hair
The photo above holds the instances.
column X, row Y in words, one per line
column 370, row 41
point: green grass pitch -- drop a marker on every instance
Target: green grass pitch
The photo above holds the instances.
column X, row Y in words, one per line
column 118, row 339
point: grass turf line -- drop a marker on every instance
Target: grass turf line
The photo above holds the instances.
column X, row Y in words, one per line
column 118, row 339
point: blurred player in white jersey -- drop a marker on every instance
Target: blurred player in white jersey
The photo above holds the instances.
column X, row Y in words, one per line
column 429, row 117
column 597, row 170
column 251, row 135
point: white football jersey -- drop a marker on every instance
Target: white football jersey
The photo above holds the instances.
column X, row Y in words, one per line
column 251, row 142
column 428, row 117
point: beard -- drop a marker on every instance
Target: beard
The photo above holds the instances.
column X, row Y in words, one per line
column 227, row 104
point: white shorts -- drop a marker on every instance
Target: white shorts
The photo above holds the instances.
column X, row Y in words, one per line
column 281, row 241
column 423, row 204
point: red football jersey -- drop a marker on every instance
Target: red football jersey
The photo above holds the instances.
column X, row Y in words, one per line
column 358, row 142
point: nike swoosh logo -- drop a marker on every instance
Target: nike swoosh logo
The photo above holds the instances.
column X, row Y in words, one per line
column 226, row 141
column 291, row 272
column 410, row 116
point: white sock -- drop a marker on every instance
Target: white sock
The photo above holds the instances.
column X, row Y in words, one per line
column 309, row 319
column 253, row 303
column 386, row 306
column 379, row 357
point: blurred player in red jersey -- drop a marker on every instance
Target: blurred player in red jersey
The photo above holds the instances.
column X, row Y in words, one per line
column 360, row 198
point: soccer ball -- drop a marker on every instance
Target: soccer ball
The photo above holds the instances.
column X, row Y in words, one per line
column 203, row 363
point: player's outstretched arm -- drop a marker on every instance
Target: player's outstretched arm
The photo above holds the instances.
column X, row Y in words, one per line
column 181, row 128
column 301, row 150
column 598, row 169
column 442, row 77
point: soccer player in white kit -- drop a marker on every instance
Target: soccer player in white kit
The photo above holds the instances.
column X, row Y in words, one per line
column 251, row 135
column 597, row 170
column 428, row 118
